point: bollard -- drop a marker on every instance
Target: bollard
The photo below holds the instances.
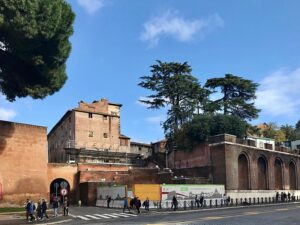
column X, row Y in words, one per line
column 266, row 200
column 184, row 205
column 222, row 202
column 269, row 199
column 204, row 203
column 210, row 203
column 192, row 204
column 262, row 200
column 253, row 200
column 216, row 203
column 297, row 197
column 159, row 204
column 249, row 200
column 241, row 201
column 231, row 202
column 273, row 199
column 257, row 200
column 236, row 201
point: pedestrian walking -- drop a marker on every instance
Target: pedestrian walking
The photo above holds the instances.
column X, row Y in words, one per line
column 125, row 205
column 31, row 211
column 66, row 207
column 108, row 201
column 277, row 196
column 197, row 202
column 174, row 203
column 44, row 210
column 39, row 210
column 146, row 204
column 27, row 208
column 138, row 205
column 201, row 200
column 55, row 206
column 289, row 196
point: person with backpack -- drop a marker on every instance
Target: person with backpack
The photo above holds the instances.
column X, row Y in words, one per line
column 27, row 208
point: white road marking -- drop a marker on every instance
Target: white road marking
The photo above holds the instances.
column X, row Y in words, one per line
column 82, row 217
column 128, row 214
column 106, row 217
column 118, row 214
column 111, row 215
column 93, row 217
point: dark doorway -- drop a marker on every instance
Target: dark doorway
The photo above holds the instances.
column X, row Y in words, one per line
column 292, row 173
column 278, row 175
column 262, row 173
column 243, row 172
column 56, row 186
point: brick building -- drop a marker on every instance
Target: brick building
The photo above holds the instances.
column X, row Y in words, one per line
column 244, row 168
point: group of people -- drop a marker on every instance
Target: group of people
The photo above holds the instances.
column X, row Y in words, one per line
column 135, row 203
column 199, row 201
column 38, row 211
column 284, row 197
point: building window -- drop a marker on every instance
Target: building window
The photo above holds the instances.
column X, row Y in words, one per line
column 105, row 135
column 90, row 115
column 114, row 113
column 140, row 148
column 123, row 142
column 104, row 117
column 91, row 133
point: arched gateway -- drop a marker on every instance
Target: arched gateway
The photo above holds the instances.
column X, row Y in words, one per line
column 56, row 186
column 278, row 174
column 292, row 176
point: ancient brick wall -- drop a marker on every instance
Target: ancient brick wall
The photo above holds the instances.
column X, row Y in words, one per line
column 23, row 157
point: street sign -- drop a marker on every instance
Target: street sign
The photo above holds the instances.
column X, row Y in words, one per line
column 64, row 184
column 63, row 192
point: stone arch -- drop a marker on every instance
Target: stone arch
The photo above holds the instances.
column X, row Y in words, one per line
column 278, row 174
column 56, row 186
column 292, row 175
column 262, row 173
column 243, row 172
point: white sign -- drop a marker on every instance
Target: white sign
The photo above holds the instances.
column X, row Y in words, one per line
column 63, row 192
column 189, row 191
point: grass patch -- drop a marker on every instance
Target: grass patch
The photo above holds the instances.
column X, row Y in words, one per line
column 12, row 209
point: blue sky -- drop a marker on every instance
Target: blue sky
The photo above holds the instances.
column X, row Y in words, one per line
column 115, row 42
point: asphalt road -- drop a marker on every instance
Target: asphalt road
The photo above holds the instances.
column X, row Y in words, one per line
column 281, row 214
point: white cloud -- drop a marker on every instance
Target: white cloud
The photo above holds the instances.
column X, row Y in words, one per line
column 173, row 25
column 91, row 6
column 278, row 94
column 7, row 114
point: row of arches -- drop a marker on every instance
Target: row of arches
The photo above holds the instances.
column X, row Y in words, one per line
column 262, row 173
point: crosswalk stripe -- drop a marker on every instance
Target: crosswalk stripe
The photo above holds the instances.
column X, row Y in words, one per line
column 110, row 215
column 93, row 217
column 128, row 214
column 82, row 217
column 106, row 217
column 118, row 214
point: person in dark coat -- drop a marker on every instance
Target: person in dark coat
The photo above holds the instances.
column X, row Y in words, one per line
column 66, row 206
column 146, row 204
column 108, row 201
column 55, row 206
column 44, row 209
column 27, row 208
column 138, row 205
column 201, row 200
column 174, row 203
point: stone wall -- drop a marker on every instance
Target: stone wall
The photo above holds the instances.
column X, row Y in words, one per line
column 23, row 157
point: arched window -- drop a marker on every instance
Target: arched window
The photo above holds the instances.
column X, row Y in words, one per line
column 292, row 176
column 243, row 175
column 278, row 174
column 262, row 173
